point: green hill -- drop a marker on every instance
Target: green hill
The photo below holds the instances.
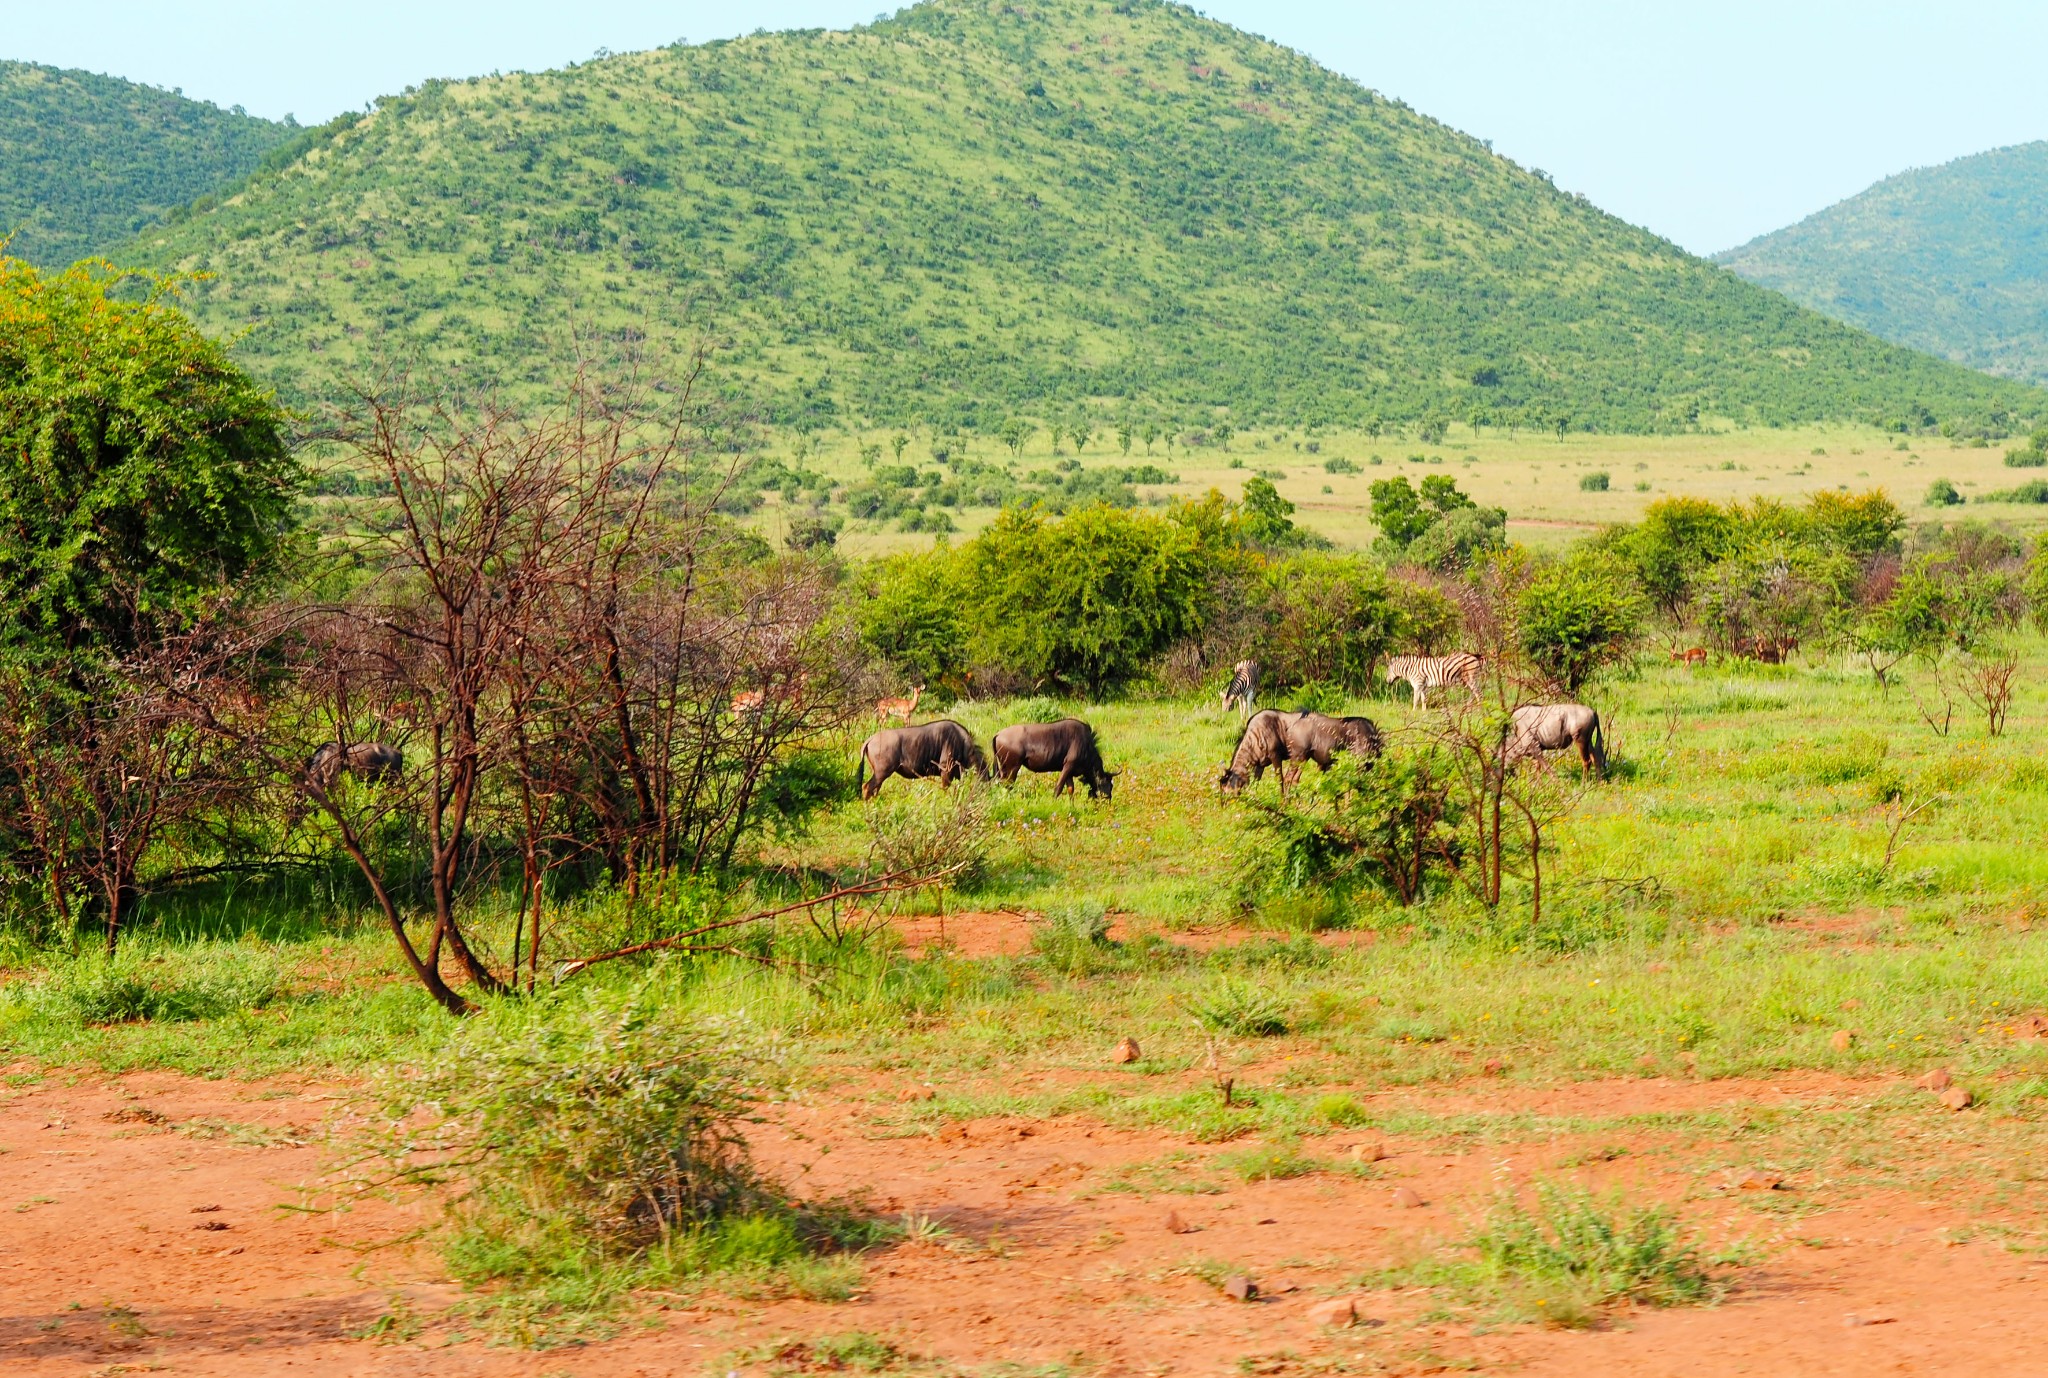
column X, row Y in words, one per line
column 1951, row 259
column 86, row 161
column 979, row 208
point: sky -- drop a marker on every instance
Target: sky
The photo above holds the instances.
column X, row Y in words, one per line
column 1709, row 124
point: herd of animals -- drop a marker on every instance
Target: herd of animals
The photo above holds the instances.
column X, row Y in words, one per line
column 1271, row 740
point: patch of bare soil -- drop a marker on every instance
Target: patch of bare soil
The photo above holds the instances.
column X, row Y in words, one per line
column 144, row 1231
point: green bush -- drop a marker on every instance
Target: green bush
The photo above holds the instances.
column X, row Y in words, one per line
column 1582, row 614
column 1595, row 482
column 597, row 1124
column 206, row 982
column 1574, row 1254
column 1942, row 493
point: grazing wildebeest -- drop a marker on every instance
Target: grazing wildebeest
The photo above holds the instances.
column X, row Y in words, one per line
column 1425, row 673
column 1243, row 687
column 1067, row 746
column 1282, row 741
column 375, row 762
column 943, row 748
column 1540, row 727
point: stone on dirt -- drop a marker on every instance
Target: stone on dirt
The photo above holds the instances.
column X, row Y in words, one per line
column 1126, row 1051
column 1843, row 1039
column 1240, row 1288
column 1956, row 1098
column 1407, row 1198
column 1368, row 1153
column 1936, row 1080
column 1335, row 1314
column 1175, row 1224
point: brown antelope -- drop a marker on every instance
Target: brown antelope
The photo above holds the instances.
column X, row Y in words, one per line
column 1696, row 655
column 748, row 702
column 886, row 709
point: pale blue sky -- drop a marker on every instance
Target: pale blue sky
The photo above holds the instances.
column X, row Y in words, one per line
column 1709, row 124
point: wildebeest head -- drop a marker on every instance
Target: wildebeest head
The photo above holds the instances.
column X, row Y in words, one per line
column 1102, row 784
column 1231, row 781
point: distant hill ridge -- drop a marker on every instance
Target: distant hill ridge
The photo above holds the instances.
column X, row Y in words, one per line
column 977, row 209
column 1950, row 259
column 86, row 160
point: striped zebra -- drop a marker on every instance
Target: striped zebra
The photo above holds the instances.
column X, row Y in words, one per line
column 1243, row 686
column 1424, row 673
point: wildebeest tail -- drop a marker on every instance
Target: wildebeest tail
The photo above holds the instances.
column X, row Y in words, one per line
column 860, row 771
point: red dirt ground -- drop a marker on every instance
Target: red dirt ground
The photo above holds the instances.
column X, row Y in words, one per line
column 112, row 1260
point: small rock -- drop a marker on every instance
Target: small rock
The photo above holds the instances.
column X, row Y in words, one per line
column 1336, row 1314
column 1936, row 1080
column 1759, row 1181
column 1852, row 1004
column 1956, row 1098
column 1407, row 1198
column 917, row 1093
column 204, row 1210
column 1126, row 1051
column 1240, row 1288
column 1368, row 1153
column 1852, row 1320
column 1842, row 1039
column 224, row 1253
column 1494, row 1066
column 1176, row 1225
column 213, row 1225
column 1269, row 1220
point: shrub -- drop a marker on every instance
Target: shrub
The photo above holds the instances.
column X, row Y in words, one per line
column 1330, row 619
column 1581, row 614
column 600, row 1125
column 1942, row 493
column 1073, row 938
column 1595, row 482
column 1237, row 1007
column 1576, row 1254
column 1339, row 466
column 204, row 983
column 922, row 832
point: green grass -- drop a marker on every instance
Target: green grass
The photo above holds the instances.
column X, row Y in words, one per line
column 1720, row 910
column 1570, row 1259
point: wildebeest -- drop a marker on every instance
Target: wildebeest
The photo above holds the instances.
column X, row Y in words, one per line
column 375, row 762
column 1540, row 727
column 943, row 748
column 1067, row 746
column 1425, row 673
column 1243, row 686
column 1282, row 741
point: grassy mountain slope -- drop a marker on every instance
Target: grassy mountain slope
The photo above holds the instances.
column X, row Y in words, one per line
column 86, row 161
column 979, row 208
column 1951, row 259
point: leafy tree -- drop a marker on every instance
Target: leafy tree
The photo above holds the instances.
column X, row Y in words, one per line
column 1123, row 438
column 912, row 616
column 1150, row 434
column 1856, row 523
column 1332, row 619
column 1398, row 511
column 1014, row 433
column 1433, row 431
column 898, row 443
column 1942, row 493
column 1086, row 601
column 1580, row 615
column 1437, row 526
column 1267, row 517
column 1224, row 433
column 146, row 472
column 1676, row 540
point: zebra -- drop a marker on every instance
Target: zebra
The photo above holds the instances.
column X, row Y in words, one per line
column 1424, row 673
column 1243, row 686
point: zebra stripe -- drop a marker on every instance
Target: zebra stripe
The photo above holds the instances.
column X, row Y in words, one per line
column 1424, row 673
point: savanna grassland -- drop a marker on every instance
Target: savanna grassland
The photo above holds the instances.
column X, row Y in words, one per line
column 1740, row 893
column 1536, row 478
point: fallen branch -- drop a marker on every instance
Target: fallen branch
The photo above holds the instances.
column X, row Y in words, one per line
column 892, row 883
